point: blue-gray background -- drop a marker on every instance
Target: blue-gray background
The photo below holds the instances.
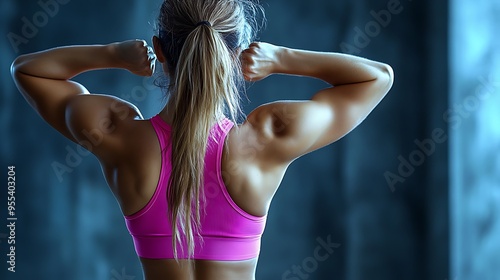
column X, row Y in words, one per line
column 438, row 220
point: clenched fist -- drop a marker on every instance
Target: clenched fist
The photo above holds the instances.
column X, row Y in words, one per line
column 135, row 56
column 259, row 61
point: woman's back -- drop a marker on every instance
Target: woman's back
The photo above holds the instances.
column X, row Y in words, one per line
column 135, row 192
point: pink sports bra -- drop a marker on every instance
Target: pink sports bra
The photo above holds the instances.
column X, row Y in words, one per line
column 228, row 233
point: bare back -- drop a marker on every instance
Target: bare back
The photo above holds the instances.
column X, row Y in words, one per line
column 134, row 182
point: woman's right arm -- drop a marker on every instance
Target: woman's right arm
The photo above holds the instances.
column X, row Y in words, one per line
column 289, row 129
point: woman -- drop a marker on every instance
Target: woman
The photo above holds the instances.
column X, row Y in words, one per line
column 193, row 185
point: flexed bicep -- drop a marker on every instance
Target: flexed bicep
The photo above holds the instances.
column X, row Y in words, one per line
column 49, row 98
column 44, row 79
column 349, row 105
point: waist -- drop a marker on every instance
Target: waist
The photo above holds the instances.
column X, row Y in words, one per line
column 181, row 269
column 206, row 248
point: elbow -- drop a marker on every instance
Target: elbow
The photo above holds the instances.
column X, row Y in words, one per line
column 16, row 65
column 389, row 72
column 387, row 75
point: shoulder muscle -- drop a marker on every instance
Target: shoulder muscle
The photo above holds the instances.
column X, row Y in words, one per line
column 97, row 122
column 288, row 129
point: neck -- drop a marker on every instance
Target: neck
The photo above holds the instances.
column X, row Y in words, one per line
column 167, row 113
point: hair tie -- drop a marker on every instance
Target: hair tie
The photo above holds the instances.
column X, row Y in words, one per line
column 204, row 23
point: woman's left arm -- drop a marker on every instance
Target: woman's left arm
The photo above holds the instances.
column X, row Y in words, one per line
column 43, row 78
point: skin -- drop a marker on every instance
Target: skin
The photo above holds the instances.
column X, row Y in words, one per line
column 259, row 152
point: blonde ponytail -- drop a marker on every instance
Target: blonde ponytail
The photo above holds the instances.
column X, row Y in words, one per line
column 205, row 87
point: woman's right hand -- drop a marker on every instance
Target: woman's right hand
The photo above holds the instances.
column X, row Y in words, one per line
column 259, row 61
column 135, row 56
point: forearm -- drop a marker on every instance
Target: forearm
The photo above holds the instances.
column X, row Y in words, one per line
column 66, row 62
column 334, row 68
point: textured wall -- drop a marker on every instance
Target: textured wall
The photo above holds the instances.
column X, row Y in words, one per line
column 377, row 199
column 474, row 118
